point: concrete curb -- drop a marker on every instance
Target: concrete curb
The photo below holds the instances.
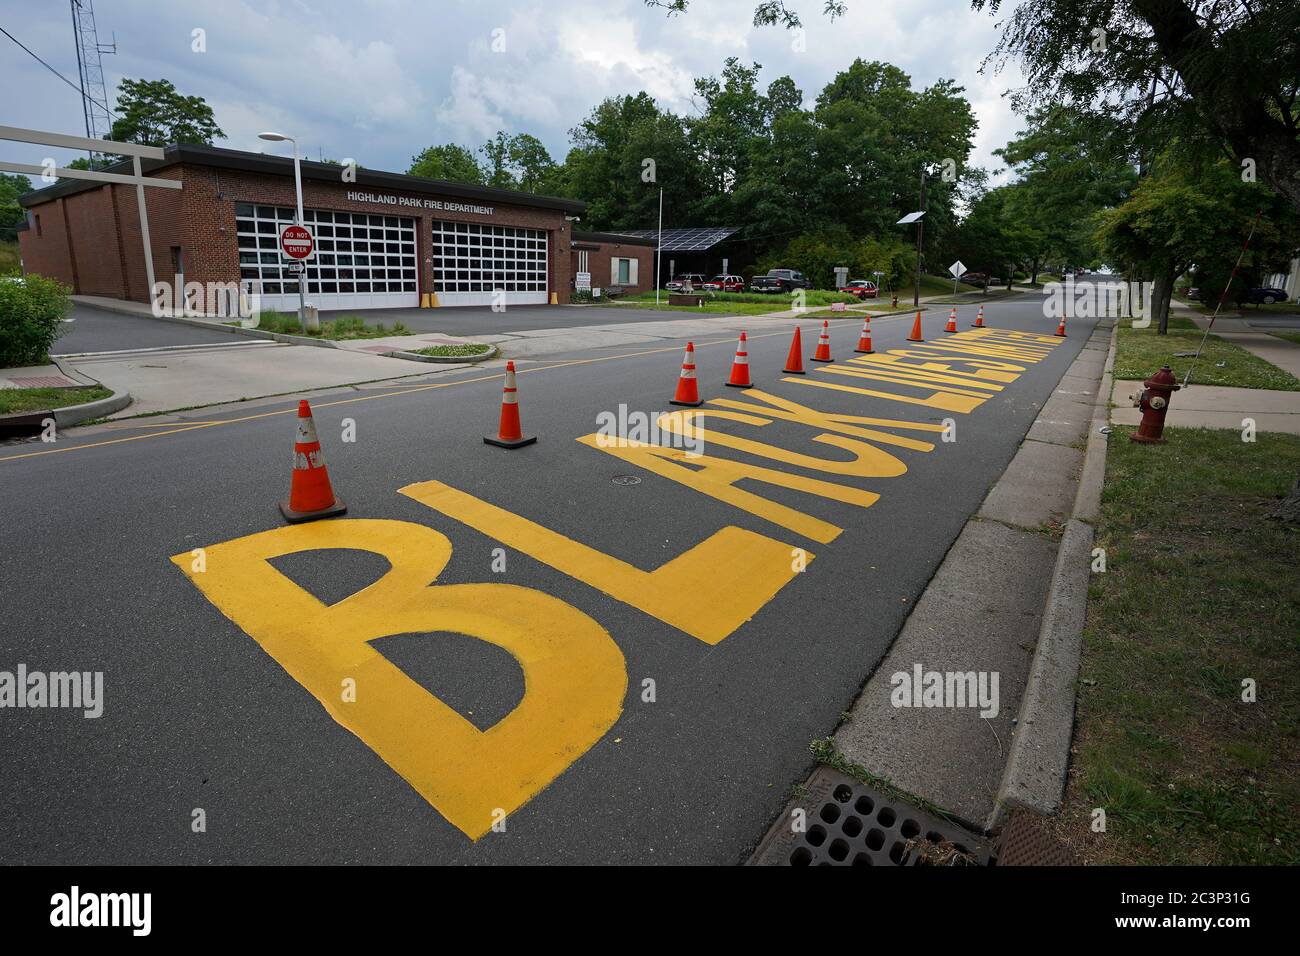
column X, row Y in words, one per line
column 1040, row 750
column 1039, row 756
column 70, row 415
column 492, row 352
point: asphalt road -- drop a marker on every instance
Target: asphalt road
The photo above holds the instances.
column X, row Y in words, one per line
column 197, row 715
column 96, row 330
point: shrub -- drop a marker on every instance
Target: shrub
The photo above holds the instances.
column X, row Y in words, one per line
column 31, row 310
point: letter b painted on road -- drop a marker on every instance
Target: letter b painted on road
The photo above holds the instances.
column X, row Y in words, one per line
column 575, row 676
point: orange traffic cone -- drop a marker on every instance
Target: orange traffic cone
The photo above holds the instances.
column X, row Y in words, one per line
column 979, row 320
column 864, row 340
column 1060, row 329
column 823, row 353
column 740, row 366
column 688, row 389
column 916, row 330
column 952, row 321
column 794, row 361
column 510, row 433
column 310, row 493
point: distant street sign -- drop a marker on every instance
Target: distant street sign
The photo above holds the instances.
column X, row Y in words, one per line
column 296, row 242
column 582, row 281
column 957, row 268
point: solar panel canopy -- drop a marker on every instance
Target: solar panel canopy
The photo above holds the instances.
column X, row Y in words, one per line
column 686, row 240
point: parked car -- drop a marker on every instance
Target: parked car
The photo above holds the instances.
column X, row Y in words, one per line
column 780, row 280
column 727, row 283
column 1262, row 295
column 975, row 278
column 676, row 283
column 862, row 288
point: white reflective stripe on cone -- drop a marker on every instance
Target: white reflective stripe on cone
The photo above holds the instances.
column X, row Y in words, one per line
column 306, row 431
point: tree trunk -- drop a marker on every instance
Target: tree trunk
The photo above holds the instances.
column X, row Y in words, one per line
column 1161, row 288
column 1033, row 279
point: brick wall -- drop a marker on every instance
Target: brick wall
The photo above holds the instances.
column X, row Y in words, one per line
column 600, row 256
column 101, row 253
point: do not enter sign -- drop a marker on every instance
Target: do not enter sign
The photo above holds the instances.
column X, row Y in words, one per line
column 296, row 242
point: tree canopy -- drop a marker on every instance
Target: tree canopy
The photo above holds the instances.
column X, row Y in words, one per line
column 155, row 113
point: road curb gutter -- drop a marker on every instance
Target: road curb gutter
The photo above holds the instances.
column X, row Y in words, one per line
column 70, row 415
column 1039, row 755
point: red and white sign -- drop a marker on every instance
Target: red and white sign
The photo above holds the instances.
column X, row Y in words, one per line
column 296, row 242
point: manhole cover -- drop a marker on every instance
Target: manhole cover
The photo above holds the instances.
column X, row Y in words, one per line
column 846, row 823
column 627, row 480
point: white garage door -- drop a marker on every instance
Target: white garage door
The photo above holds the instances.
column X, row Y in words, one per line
column 473, row 261
column 362, row 261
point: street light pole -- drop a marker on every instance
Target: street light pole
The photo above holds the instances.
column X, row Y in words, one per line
column 298, row 221
column 920, row 234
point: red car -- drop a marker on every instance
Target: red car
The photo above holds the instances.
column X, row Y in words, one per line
column 725, row 284
column 862, row 288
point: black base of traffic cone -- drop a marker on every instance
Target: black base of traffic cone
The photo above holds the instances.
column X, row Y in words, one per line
column 504, row 443
column 296, row 517
column 734, row 385
column 673, row 401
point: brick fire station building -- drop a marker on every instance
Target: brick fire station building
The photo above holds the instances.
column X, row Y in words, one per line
column 382, row 241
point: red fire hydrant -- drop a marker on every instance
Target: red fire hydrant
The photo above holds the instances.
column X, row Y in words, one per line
column 1154, row 402
column 894, row 303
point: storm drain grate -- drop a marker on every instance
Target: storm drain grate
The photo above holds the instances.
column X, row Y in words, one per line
column 847, row 823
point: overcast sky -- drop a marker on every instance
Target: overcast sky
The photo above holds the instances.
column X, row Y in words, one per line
column 378, row 80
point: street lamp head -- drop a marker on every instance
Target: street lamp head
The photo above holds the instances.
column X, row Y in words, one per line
column 275, row 137
column 910, row 218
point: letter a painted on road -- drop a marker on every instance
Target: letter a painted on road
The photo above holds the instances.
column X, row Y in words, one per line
column 574, row 673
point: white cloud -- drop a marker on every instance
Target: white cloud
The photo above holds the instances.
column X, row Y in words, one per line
column 382, row 79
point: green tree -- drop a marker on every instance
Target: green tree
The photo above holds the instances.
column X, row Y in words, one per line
column 1183, row 215
column 155, row 113
column 518, row 162
column 1204, row 74
column 1067, row 172
column 622, row 154
column 451, row 163
column 12, row 214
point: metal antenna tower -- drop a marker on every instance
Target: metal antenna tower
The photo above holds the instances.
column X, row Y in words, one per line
column 90, row 66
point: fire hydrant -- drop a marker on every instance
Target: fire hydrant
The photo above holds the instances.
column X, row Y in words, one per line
column 894, row 303
column 1154, row 402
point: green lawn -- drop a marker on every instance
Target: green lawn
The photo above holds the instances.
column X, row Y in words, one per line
column 1141, row 352
column 936, row 285
column 462, row 350
column 1243, row 311
column 1288, row 336
column 1200, row 593
column 738, row 303
column 344, row 327
column 40, row 399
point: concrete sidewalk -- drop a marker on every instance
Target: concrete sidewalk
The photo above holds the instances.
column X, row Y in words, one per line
column 1232, row 328
column 983, row 611
column 1213, row 406
column 188, row 378
column 44, row 376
